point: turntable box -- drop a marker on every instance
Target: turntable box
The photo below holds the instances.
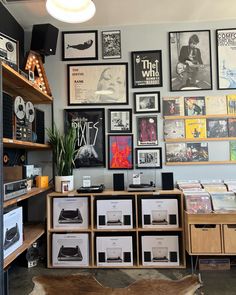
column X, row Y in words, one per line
column 12, row 231
column 114, row 214
column 114, row 251
column 12, row 173
column 70, row 212
column 70, row 250
column 159, row 213
column 160, row 250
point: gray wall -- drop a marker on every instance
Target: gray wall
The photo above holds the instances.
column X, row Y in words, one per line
column 134, row 38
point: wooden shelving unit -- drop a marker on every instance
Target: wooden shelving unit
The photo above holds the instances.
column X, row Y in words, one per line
column 19, row 144
column 200, row 163
column 137, row 231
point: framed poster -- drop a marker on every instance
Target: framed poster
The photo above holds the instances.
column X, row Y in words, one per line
column 147, row 102
column 146, row 68
column 79, row 45
column 226, row 58
column 97, row 84
column 90, row 126
column 120, row 120
column 9, row 51
column 147, row 130
column 190, row 60
column 111, row 44
column 148, row 158
column 120, row 151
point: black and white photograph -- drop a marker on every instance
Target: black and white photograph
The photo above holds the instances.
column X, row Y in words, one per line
column 226, row 58
column 147, row 133
column 120, row 120
column 9, row 51
column 98, row 84
column 147, row 102
column 149, row 158
column 146, row 68
column 90, row 128
column 111, row 44
column 190, row 60
column 80, row 45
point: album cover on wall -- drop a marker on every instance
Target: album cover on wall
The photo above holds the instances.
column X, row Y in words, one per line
column 232, row 147
column 232, row 127
column 197, row 152
column 174, row 129
column 198, row 202
column 176, row 152
column 231, row 104
column 195, row 128
column 216, row 105
column 173, row 106
column 194, row 106
column 217, row 128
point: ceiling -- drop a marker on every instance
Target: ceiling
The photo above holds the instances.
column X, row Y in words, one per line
column 128, row 12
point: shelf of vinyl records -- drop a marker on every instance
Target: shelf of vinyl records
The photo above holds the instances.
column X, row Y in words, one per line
column 116, row 229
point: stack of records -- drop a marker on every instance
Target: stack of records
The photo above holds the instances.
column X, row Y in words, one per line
column 198, row 202
column 214, row 185
column 189, row 185
column 231, row 185
column 224, row 202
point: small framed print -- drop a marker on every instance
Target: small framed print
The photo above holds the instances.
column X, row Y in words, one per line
column 65, row 186
column 148, row 158
column 120, row 120
column 120, row 151
column 79, row 45
column 9, row 51
column 111, row 44
column 147, row 130
column 147, row 102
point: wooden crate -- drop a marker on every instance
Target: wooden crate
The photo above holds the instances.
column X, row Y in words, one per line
column 229, row 238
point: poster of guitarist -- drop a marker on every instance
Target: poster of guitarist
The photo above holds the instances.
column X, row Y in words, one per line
column 190, row 65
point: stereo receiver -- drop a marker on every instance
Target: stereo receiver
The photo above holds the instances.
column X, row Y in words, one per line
column 14, row 189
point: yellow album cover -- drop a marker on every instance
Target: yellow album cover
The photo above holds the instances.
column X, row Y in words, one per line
column 195, row 128
column 216, row 105
column 231, row 104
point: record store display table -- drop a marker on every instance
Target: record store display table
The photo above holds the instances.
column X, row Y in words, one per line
column 117, row 229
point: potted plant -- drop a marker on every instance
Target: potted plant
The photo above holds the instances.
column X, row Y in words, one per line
column 64, row 154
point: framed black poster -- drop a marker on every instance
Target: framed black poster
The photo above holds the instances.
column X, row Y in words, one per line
column 146, row 68
column 90, row 126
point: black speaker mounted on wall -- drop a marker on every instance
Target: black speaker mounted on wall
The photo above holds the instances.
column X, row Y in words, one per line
column 118, row 182
column 44, row 39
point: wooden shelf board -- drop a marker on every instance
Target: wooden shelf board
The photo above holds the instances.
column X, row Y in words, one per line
column 200, row 163
column 200, row 116
column 33, row 192
column 13, row 143
column 115, row 230
column 31, row 234
column 163, row 229
column 212, row 218
column 69, row 230
column 211, row 254
column 199, row 139
column 16, row 84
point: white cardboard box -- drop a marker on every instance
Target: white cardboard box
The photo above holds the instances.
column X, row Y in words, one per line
column 114, row 251
column 70, row 250
column 12, row 231
column 114, row 214
column 159, row 213
column 160, row 250
column 70, row 212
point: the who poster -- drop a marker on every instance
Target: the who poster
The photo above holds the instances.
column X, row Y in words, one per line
column 90, row 126
column 226, row 57
column 147, row 68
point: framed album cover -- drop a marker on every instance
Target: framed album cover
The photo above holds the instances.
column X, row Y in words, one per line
column 9, row 51
column 190, row 60
column 147, row 102
column 146, row 68
column 120, row 120
column 111, row 44
column 98, row 84
column 148, row 158
column 79, row 45
column 226, row 58
column 147, row 130
column 120, row 151
column 90, row 127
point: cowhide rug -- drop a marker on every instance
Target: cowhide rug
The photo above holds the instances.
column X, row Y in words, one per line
column 88, row 285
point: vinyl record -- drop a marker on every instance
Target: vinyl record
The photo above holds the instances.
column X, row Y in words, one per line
column 19, row 107
column 30, row 113
column 5, row 158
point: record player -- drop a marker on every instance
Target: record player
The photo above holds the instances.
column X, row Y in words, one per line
column 159, row 217
column 70, row 216
column 142, row 187
column 70, row 254
column 12, row 235
column 114, row 217
column 114, row 254
column 160, row 254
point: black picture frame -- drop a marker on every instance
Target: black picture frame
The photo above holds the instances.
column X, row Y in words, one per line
column 147, row 102
column 90, row 125
column 98, row 84
column 119, row 120
column 147, row 68
column 226, row 56
column 9, row 51
column 190, row 65
column 148, row 158
column 111, row 44
column 80, row 45
column 147, row 130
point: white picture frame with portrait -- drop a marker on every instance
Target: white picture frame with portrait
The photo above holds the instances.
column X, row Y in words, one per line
column 147, row 102
column 97, row 84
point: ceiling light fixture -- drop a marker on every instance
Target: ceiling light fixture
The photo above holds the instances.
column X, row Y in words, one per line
column 71, row 11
